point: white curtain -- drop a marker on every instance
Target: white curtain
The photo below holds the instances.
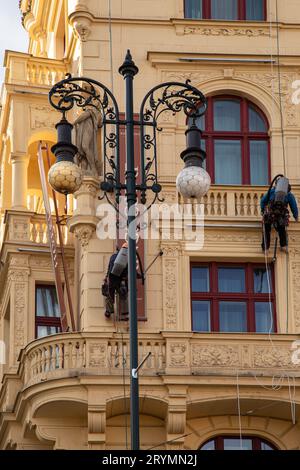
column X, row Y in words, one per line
column 255, row 10
column 227, row 115
column 233, row 317
column 193, row 8
column 228, row 165
column 259, row 162
column 224, row 9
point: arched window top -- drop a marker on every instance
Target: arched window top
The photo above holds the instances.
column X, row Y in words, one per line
column 235, row 443
column 249, row 10
column 236, row 141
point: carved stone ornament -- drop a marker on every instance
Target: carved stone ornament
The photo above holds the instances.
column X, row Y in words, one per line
column 84, row 233
column 178, row 353
column 211, row 356
column 97, row 355
column 82, row 27
column 170, row 294
column 19, row 314
column 296, row 293
column 42, row 117
column 215, row 31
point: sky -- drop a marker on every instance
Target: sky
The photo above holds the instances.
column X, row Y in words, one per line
column 12, row 34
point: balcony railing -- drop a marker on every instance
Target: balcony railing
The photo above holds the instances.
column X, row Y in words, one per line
column 65, row 354
column 68, row 354
column 23, row 69
column 27, row 228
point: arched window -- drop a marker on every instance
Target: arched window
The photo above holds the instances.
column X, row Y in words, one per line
column 247, row 10
column 235, row 443
column 236, row 140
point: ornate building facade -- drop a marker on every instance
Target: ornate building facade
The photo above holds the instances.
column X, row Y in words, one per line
column 220, row 322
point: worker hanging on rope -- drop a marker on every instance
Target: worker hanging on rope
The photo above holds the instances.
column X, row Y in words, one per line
column 274, row 207
column 116, row 282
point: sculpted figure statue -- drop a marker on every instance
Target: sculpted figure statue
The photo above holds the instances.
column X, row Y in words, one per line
column 86, row 129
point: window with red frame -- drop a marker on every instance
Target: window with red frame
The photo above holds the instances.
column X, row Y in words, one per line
column 232, row 298
column 47, row 313
column 247, row 10
column 236, row 141
column 236, row 443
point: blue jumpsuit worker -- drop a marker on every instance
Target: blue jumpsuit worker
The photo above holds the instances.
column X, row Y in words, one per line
column 278, row 216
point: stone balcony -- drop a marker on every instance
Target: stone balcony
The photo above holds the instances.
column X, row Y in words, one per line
column 69, row 355
column 24, row 69
column 21, row 229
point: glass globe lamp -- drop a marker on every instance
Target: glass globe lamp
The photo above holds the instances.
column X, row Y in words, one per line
column 193, row 181
column 65, row 176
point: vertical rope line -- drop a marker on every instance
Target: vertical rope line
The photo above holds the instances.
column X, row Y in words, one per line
column 111, row 46
column 280, row 88
column 239, row 408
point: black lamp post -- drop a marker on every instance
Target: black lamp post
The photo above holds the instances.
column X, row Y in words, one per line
column 173, row 97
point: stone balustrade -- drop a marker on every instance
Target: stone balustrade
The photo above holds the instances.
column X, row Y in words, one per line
column 74, row 354
column 70, row 354
column 28, row 228
column 23, row 69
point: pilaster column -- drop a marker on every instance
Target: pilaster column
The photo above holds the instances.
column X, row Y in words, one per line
column 171, row 285
column 18, row 275
column 19, row 162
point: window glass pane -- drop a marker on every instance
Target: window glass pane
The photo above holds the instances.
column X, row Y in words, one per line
column 201, row 315
column 209, row 446
column 256, row 122
column 255, row 10
column 43, row 330
column 265, row 446
column 224, row 9
column 200, row 279
column 227, row 115
column 261, row 281
column 228, row 165
column 259, row 172
column 233, row 317
column 193, row 8
column 263, row 317
column 46, row 302
column 237, row 444
column 231, row 279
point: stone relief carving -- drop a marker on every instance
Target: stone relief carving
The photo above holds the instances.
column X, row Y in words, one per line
column 178, row 355
column 84, row 233
column 19, row 312
column 97, row 355
column 266, row 80
column 210, row 356
column 211, row 31
column 86, row 130
column 170, row 288
column 295, row 267
column 270, row 81
column 42, row 116
column 273, row 357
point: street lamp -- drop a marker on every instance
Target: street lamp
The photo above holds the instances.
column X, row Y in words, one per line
column 193, row 181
